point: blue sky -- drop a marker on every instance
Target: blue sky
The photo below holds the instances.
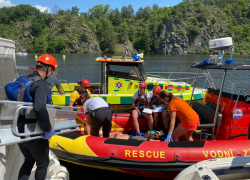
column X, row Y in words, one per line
column 84, row 5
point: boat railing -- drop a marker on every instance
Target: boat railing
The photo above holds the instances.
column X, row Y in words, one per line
column 62, row 119
column 233, row 112
column 205, row 75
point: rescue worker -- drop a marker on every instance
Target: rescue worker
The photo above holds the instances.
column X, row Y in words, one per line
column 156, row 102
column 37, row 151
column 140, row 101
column 101, row 115
column 78, row 98
column 178, row 107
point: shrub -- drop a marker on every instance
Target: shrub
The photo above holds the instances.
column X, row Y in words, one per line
column 84, row 37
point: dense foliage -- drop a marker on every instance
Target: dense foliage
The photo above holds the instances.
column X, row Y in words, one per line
column 142, row 27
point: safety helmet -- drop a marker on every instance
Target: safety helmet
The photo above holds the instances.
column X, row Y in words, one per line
column 84, row 82
column 143, row 84
column 48, row 60
column 157, row 90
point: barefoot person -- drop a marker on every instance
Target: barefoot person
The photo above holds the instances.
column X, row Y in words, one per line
column 140, row 101
column 190, row 119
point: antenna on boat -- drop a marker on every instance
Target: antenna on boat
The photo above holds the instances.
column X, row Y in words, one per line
column 232, row 53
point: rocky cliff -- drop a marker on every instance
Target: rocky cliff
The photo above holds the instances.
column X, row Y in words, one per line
column 176, row 40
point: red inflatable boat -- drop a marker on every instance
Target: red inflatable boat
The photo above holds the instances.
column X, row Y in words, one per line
column 223, row 132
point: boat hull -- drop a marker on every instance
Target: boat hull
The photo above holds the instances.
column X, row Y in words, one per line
column 143, row 158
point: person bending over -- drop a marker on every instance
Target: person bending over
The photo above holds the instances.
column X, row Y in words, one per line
column 190, row 119
column 140, row 101
column 101, row 116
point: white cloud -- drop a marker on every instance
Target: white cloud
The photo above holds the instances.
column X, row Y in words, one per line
column 6, row 3
column 42, row 9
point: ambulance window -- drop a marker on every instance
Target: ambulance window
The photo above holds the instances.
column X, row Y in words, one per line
column 126, row 72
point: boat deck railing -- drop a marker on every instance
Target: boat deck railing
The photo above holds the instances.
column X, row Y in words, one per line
column 168, row 76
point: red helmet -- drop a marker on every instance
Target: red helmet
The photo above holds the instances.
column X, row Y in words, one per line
column 47, row 59
column 84, row 82
column 157, row 90
column 143, row 84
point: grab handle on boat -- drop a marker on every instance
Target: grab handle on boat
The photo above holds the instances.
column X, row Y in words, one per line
column 239, row 135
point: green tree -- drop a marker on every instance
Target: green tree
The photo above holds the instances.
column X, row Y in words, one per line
column 139, row 13
column 39, row 45
column 61, row 12
column 51, row 43
column 155, row 7
column 132, row 33
column 60, row 45
column 123, row 33
column 116, row 17
column 74, row 10
column 127, row 12
column 37, row 29
column 84, row 37
column 194, row 30
column 98, row 11
column 108, row 40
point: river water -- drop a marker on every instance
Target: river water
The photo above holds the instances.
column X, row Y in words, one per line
column 78, row 66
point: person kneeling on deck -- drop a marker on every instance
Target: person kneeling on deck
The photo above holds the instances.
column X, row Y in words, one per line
column 156, row 102
column 140, row 101
column 35, row 89
column 101, row 115
column 178, row 107
column 78, row 98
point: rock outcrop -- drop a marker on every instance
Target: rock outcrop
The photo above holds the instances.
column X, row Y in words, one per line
column 179, row 43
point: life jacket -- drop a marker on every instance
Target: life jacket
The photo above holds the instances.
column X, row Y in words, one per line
column 82, row 98
column 20, row 89
column 141, row 101
column 156, row 100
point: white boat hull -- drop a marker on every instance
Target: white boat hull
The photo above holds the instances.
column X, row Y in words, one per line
column 11, row 160
column 22, row 54
column 231, row 168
